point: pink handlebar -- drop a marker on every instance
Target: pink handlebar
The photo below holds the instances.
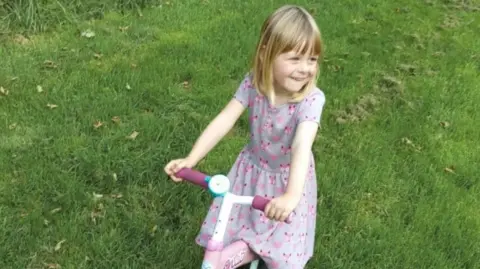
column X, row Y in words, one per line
column 198, row 178
column 260, row 203
column 193, row 176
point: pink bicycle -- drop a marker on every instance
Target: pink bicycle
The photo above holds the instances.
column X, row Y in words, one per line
column 238, row 253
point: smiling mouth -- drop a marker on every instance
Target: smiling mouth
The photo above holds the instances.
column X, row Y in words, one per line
column 299, row 79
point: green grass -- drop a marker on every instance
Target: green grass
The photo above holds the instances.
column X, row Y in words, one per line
column 394, row 72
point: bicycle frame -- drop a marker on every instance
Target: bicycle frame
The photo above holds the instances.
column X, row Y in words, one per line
column 237, row 253
column 234, row 255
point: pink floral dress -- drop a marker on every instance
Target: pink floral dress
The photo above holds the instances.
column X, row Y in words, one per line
column 262, row 168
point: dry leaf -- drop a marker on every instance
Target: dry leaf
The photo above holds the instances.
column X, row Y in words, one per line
column 411, row 144
column 39, row 88
column 97, row 124
column 116, row 119
column 12, row 126
column 97, row 55
column 123, row 29
column 88, row 33
column 59, row 245
column 20, row 39
column 444, row 124
column 133, row 65
column 96, row 213
column 51, row 106
column 49, row 64
column 450, row 169
column 3, row 91
column 185, row 84
column 431, row 73
column 23, row 214
column 52, row 265
column 341, row 120
column 133, row 135
column 56, row 210
column 116, row 196
column 97, row 196
column 154, row 229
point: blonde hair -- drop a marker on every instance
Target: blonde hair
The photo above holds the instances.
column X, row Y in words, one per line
column 288, row 28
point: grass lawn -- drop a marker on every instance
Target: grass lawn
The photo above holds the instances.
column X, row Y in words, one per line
column 88, row 122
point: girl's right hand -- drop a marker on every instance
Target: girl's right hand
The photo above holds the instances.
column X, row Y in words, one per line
column 176, row 165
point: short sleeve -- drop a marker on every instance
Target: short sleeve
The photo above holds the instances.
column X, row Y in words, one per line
column 243, row 91
column 312, row 107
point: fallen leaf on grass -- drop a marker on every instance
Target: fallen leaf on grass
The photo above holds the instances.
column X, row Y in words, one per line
column 133, row 135
column 390, row 81
column 133, row 65
column 341, row 120
column 52, row 265
column 58, row 246
column 186, row 84
column 123, row 28
column 116, row 119
column 431, row 73
column 154, row 229
column 450, row 169
column 88, row 33
column 12, row 126
column 97, row 55
column 39, row 89
column 3, row 91
column 116, row 196
column 97, row 196
column 49, row 64
column 335, row 67
column 444, row 124
column 97, row 213
column 23, row 214
column 20, row 39
column 56, row 210
column 411, row 144
column 407, row 68
column 97, row 124
column 51, row 106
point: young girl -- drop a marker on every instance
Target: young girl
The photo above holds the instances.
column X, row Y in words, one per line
column 284, row 109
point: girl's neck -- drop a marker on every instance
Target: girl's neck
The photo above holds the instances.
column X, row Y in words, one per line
column 281, row 98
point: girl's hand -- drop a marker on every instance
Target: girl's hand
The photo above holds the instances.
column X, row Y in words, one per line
column 280, row 208
column 176, row 165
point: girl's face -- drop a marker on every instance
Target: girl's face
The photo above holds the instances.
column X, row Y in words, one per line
column 292, row 70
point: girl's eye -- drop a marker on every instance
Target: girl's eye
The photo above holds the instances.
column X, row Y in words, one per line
column 313, row 59
column 295, row 58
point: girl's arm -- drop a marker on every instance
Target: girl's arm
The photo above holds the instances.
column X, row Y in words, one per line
column 301, row 149
column 215, row 131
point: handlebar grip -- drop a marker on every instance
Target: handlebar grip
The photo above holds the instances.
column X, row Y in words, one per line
column 259, row 203
column 193, row 176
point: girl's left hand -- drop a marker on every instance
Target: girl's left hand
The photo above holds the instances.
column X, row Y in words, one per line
column 279, row 208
